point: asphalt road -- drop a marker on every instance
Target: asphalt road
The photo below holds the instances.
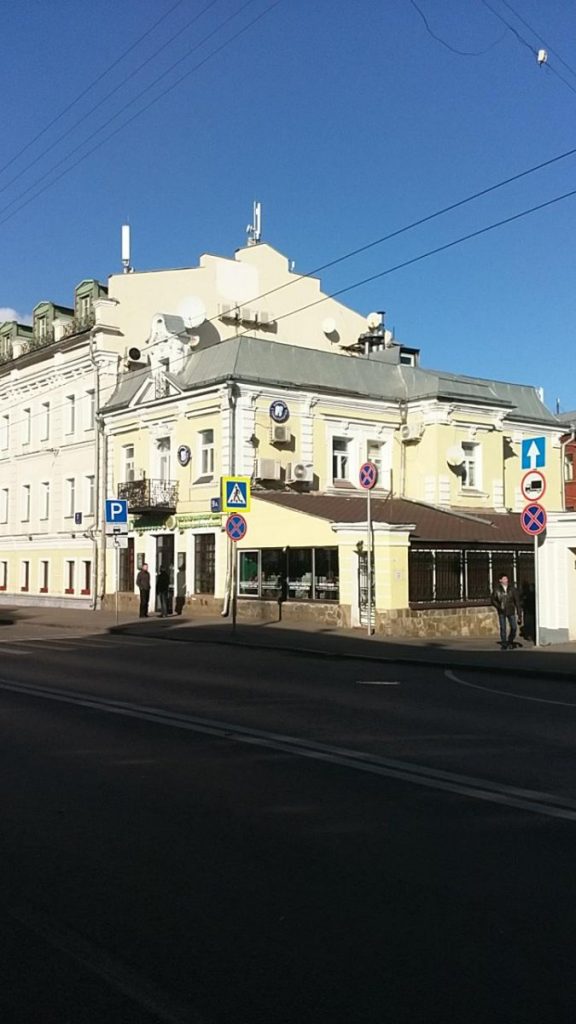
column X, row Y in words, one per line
column 225, row 836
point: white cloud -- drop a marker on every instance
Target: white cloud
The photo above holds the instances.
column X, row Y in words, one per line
column 7, row 313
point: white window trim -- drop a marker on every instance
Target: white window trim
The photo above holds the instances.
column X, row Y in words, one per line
column 45, row 421
column 26, row 425
column 45, row 490
column 70, row 497
column 5, row 508
column 40, row 580
column 477, row 485
column 203, row 449
column 90, row 494
column 26, row 489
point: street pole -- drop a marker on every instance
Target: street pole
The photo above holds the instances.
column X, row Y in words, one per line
column 369, row 558
column 117, row 573
column 234, row 582
column 536, row 594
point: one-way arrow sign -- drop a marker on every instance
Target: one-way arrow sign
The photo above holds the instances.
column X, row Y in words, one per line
column 534, row 453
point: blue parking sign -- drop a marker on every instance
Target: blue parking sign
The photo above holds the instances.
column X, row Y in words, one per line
column 116, row 511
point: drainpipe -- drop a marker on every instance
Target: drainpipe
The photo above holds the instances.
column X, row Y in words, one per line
column 571, row 437
column 98, row 426
column 232, row 392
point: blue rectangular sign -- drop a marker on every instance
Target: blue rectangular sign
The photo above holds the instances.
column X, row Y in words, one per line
column 534, row 453
column 116, row 511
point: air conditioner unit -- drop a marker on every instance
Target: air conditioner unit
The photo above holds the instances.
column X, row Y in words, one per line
column 264, row 318
column 280, row 433
column 268, row 469
column 248, row 316
column 300, row 473
column 228, row 312
column 411, row 431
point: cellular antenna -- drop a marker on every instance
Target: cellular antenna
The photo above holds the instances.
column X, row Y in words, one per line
column 126, row 267
column 254, row 230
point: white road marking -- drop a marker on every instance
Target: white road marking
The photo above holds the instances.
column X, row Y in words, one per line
column 369, row 682
column 548, row 804
column 505, row 693
column 119, row 976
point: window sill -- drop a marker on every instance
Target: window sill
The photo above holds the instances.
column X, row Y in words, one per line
column 3, row 588
column 69, row 590
column 43, row 590
column 85, row 592
column 203, row 480
column 24, row 590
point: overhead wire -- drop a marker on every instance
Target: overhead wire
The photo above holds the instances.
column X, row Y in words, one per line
column 196, row 67
column 367, row 280
column 540, row 37
column 548, row 66
column 443, row 42
column 91, row 85
column 88, row 113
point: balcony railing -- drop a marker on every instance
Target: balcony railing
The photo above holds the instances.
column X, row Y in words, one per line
column 149, row 495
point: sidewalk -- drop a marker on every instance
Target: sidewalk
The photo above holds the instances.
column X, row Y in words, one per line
column 479, row 654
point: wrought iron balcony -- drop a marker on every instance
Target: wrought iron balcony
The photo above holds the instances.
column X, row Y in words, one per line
column 149, row 495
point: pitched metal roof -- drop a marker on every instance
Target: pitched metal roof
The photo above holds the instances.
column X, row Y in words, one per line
column 256, row 360
column 432, row 524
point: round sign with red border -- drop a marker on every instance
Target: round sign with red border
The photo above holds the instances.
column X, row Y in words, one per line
column 236, row 526
column 368, row 475
column 533, row 485
column 533, row 519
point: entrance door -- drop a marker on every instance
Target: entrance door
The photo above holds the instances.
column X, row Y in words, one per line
column 204, row 560
column 165, row 560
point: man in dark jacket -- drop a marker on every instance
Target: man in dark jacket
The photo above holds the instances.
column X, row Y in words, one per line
column 506, row 601
column 162, row 585
column 143, row 584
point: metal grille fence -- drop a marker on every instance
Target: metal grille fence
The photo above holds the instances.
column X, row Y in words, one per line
column 464, row 575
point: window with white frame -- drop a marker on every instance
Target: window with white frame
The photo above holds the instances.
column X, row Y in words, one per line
column 25, row 575
column 375, row 454
column 340, row 458
column 70, row 570
column 45, row 499
column 70, row 497
column 128, row 471
column 4, row 432
column 4, row 504
column 25, row 503
column 472, row 469
column 90, row 496
column 44, row 576
column 568, row 467
column 163, row 446
column 26, row 425
column 207, row 453
column 45, row 421
column 90, row 408
column 86, row 577
column 3, row 575
column 70, row 414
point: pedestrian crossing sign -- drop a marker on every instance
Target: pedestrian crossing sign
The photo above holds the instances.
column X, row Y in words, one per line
column 235, row 494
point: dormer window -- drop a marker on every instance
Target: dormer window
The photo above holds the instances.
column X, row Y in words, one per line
column 41, row 327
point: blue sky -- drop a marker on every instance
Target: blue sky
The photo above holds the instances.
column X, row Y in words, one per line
column 347, row 120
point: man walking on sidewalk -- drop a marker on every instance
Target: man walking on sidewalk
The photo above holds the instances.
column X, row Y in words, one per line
column 506, row 600
column 143, row 584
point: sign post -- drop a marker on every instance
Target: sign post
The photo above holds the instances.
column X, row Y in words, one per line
column 236, row 528
column 116, row 525
column 367, row 477
column 533, row 518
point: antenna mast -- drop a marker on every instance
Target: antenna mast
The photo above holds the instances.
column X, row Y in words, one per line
column 254, row 230
column 126, row 268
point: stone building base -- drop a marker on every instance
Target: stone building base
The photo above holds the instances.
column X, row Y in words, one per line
column 430, row 623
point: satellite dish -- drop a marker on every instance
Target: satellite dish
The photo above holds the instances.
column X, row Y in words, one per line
column 329, row 325
column 192, row 311
column 374, row 320
column 456, row 456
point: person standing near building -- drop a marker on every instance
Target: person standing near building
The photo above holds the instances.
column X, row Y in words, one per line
column 162, row 587
column 506, row 600
column 143, row 584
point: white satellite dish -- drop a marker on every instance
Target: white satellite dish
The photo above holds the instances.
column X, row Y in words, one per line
column 193, row 311
column 374, row 320
column 329, row 325
column 456, row 456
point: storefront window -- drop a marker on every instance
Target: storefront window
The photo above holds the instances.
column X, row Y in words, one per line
column 249, row 573
column 300, row 574
column 273, row 569
column 326, row 582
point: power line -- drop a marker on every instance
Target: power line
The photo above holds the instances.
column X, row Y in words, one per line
column 97, row 106
column 539, row 36
column 453, row 49
column 94, row 82
column 66, row 158
column 367, row 280
column 524, row 42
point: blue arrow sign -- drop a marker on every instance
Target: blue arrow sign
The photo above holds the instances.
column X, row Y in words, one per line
column 534, row 453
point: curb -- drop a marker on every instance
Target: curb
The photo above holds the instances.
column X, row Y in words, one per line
column 315, row 652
